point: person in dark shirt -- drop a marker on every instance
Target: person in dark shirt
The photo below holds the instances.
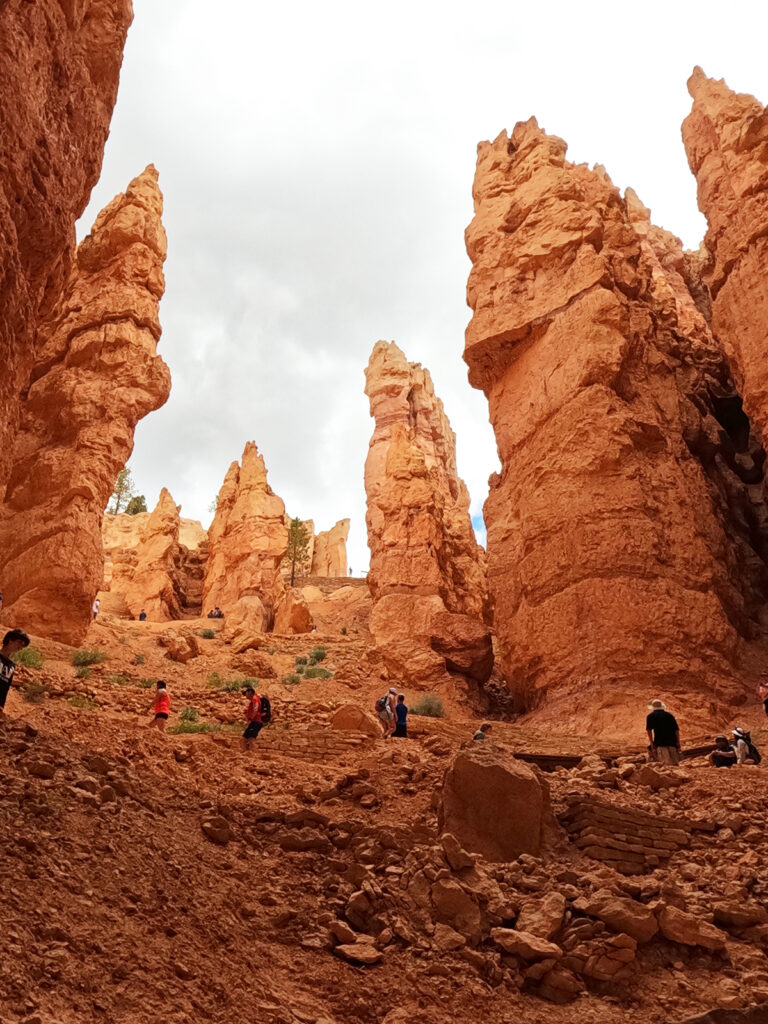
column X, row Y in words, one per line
column 663, row 734
column 142, row 616
column 724, row 755
column 13, row 642
column 401, row 716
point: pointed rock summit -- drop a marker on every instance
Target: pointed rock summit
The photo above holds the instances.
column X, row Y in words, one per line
column 96, row 374
column 426, row 566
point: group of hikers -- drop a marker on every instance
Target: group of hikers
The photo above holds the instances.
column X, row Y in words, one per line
column 258, row 712
column 664, row 740
column 393, row 714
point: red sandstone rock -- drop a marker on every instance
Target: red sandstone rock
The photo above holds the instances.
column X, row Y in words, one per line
column 59, row 71
column 726, row 138
column 493, row 804
column 329, row 557
column 248, row 538
column 616, row 558
column 424, row 556
column 154, row 586
column 349, row 717
column 292, row 614
column 97, row 373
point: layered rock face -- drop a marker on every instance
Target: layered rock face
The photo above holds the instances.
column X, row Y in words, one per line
column 625, row 531
column 96, row 374
column 59, row 72
column 726, row 138
column 247, row 538
column 330, row 551
column 425, row 561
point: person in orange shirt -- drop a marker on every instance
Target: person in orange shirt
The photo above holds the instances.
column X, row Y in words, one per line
column 253, row 717
column 161, row 707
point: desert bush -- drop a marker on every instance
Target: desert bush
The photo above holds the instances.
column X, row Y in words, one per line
column 318, row 653
column 34, row 693
column 189, row 714
column 219, row 682
column 193, row 727
column 145, row 684
column 292, row 680
column 139, row 659
column 343, row 630
column 301, row 660
column 117, row 679
column 80, row 700
column 208, row 634
column 83, row 672
column 429, row 706
column 84, row 656
column 316, row 672
column 30, row 657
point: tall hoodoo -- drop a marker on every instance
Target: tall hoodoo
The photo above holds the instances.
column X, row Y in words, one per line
column 59, row 72
column 155, row 585
column 617, row 556
column 329, row 557
column 96, row 374
column 248, row 538
column 425, row 561
column 726, row 138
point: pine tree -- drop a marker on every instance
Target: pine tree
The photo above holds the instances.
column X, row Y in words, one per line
column 122, row 493
column 298, row 547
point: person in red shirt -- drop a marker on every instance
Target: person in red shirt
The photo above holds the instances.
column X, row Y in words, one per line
column 161, row 707
column 253, row 717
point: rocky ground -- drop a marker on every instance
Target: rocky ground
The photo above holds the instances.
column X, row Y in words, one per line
column 172, row 875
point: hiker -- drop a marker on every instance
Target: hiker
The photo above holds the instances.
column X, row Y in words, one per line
column 482, row 732
column 385, row 709
column 142, row 616
column 746, row 751
column 401, row 716
column 723, row 756
column 161, row 707
column 13, row 641
column 762, row 688
column 663, row 734
column 218, row 613
column 96, row 606
column 253, row 716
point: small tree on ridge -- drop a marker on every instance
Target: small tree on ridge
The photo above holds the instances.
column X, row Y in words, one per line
column 297, row 554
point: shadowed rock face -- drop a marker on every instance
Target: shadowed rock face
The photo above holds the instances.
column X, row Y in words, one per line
column 96, row 374
column 248, row 538
column 726, row 138
column 425, row 560
column 59, row 71
column 620, row 559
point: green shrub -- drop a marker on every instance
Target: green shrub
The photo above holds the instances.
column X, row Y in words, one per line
column 292, row 680
column 317, row 673
column 430, row 707
column 87, row 657
column 189, row 715
column 145, row 684
column 343, row 630
column 271, row 650
column 118, row 680
column 83, row 672
column 218, row 682
column 80, row 700
column 318, row 653
column 208, row 634
column 301, row 660
column 123, row 639
column 194, row 727
column 30, row 657
column 139, row 659
column 301, row 669
column 34, row 693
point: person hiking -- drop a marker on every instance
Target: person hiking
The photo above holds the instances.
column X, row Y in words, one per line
column 96, row 606
column 663, row 734
column 161, row 707
column 745, row 748
column 142, row 616
column 13, row 641
column 401, row 716
column 385, row 709
column 253, row 716
column 482, row 732
column 723, row 756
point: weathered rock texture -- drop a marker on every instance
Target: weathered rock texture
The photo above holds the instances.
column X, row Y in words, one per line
column 247, row 538
column 425, row 560
column 329, row 556
column 726, row 138
column 59, row 72
column 154, row 582
column 96, row 374
column 625, row 546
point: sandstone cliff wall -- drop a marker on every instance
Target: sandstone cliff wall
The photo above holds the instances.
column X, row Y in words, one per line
column 330, row 551
column 96, row 374
column 617, row 558
column 59, row 72
column 248, row 538
column 726, row 138
column 425, row 561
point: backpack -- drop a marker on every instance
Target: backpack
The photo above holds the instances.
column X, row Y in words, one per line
column 381, row 704
column 752, row 750
column 266, row 710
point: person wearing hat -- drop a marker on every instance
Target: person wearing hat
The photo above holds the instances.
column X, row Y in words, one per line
column 663, row 734
column 386, row 712
column 13, row 641
column 723, row 756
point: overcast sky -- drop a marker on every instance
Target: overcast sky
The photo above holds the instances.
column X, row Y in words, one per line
column 317, row 160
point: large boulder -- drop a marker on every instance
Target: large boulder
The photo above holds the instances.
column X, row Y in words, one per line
column 493, row 804
column 465, row 642
column 292, row 614
column 351, row 718
column 678, row 926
